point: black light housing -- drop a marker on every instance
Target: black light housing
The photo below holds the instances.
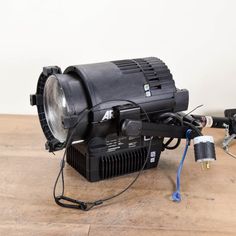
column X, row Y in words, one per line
column 99, row 148
column 112, row 118
column 105, row 114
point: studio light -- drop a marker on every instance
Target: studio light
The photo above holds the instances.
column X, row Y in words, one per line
column 114, row 118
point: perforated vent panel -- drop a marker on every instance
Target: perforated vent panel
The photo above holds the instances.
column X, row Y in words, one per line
column 127, row 66
column 122, row 163
column 155, row 71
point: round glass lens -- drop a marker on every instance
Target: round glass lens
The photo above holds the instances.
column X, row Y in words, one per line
column 55, row 107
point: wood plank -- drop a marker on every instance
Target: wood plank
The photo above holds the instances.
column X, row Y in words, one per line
column 49, row 229
column 96, row 230
column 27, row 175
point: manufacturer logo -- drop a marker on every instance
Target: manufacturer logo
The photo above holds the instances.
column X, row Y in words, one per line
column 108, row 115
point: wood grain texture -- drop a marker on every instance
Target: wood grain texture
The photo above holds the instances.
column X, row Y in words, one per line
column 27, row 175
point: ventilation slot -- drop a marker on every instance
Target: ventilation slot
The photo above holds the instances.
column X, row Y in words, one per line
column 127, row 66
column 150, row 73
column 76, row 160
column 155, row 71
column 122, row 163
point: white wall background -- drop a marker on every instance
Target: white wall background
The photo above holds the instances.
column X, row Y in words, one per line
column 196, row 39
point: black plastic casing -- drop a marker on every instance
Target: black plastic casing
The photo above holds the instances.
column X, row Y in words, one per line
column 204, row 151
column 113, row 156
column 123, row 80
column 146, row 82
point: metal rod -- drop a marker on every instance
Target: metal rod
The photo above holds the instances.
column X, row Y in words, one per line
column 212, row 121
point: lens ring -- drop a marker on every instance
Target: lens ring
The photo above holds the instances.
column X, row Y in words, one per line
column 55, row 108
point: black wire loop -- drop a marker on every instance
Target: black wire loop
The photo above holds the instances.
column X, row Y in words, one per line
column 86, row 206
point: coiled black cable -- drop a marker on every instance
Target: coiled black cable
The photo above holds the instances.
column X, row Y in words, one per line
column 175, row 119
column 82, row 205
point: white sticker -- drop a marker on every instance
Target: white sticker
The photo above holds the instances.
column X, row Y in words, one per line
column 153, row 154
column 209, row 121
column 148, row 94
column 146, row 87
column 152, row 159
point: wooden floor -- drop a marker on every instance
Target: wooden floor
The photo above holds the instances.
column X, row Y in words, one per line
column 27, row 175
